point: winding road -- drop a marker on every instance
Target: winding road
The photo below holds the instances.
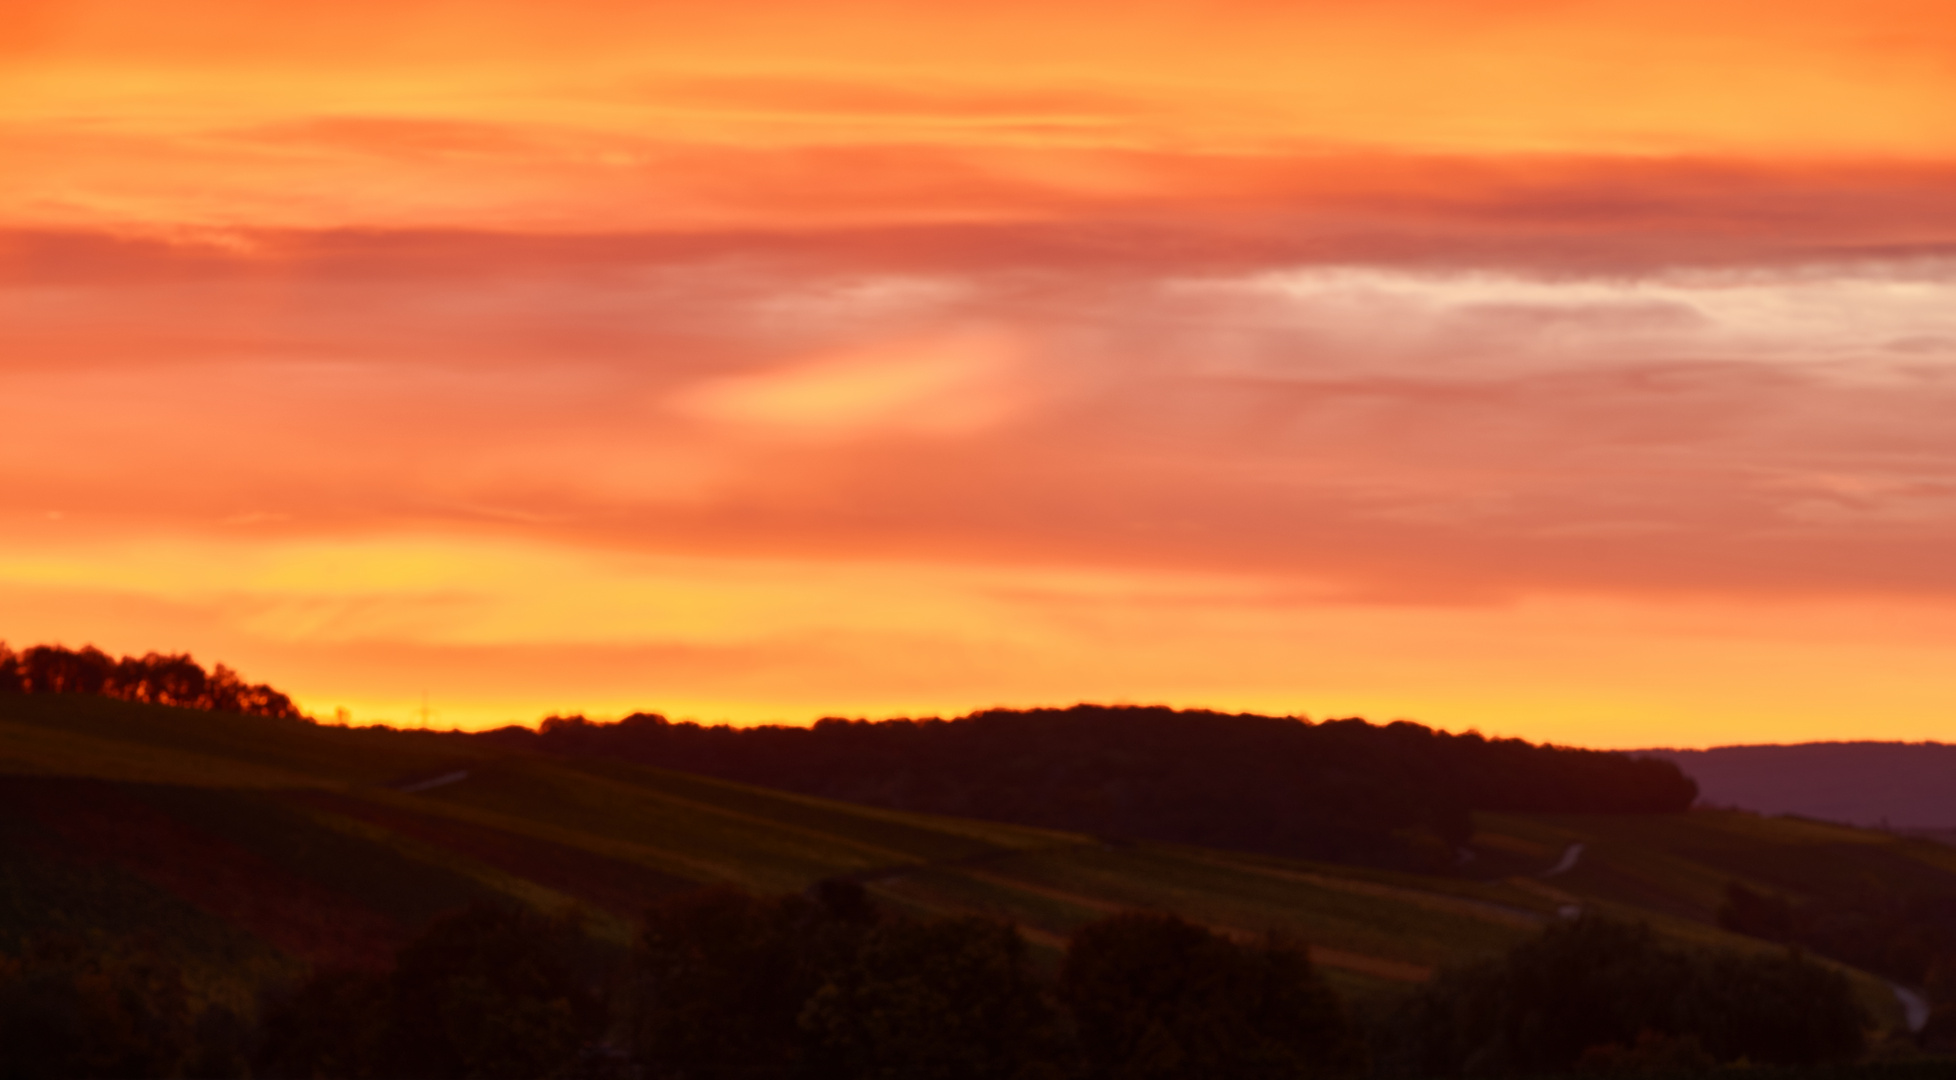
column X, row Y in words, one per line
column 1569, row 856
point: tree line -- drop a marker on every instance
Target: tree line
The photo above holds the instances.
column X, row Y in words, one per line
column 1600, row 995
column 1909, row 937
column 723, row 985
column 1400, row 793
column 155, row 679
column 719, row 984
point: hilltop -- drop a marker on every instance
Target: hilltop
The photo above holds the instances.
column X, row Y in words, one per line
column 1400, row 795
column 256, row 848
column 276, row 842
column 1876, row 784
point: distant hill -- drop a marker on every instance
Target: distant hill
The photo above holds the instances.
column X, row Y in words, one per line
column 1399, row 795
column 1876, row 784
column 257, row 846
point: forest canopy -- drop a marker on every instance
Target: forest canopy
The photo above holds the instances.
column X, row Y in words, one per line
column 155, row 679
column 1398, row 793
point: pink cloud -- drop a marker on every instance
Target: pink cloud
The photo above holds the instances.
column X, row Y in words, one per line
column 1642, row 376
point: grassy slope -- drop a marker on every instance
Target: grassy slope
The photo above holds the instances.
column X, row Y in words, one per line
column 1672, row 869
column 261, row 845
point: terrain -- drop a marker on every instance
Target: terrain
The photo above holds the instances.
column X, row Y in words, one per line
column 1398, row 795
column 256, row 847
column 1910, row 786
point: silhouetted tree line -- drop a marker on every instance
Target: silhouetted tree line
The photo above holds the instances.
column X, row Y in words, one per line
column 1599, row 995
column 157, row 679
column 1343, row 789
column 721, row 984
column 1907, row 937
column 491, row 992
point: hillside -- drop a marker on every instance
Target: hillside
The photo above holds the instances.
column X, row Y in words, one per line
column 277, row 842
column 1397, row 795
column 258, row 846
column 1874, row 784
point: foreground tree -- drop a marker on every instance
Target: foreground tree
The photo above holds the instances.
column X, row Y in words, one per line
column 1602, row 990
column 1153, row 996
column 71, row 1008
column 329, row 1026
column 947, row 1000
column 721, row 978
column 490, row 991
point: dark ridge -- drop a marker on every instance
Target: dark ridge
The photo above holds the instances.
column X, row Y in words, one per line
column 1894, row 785
column 154, row 679
column 1397, row 794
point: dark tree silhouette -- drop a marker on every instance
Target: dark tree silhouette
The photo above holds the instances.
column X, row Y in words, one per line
column 1153, row 996
column 946, row 1000
column 722, row 978
column 1601, row 988
column 491, row 991
column 486, row 992
column 73, row 1008
column 1399, row 794
column 156, row 679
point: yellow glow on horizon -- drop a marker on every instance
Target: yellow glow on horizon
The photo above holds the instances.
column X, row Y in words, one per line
column 484, row 627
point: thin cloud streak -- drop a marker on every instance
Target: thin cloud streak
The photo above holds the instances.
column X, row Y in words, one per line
column 1387, row 427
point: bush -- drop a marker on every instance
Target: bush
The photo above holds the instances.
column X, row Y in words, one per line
column 72, row 1010
column 948, row 1000
column 1153, row 996
column 330, row 1026
column 486, row 992
column 1592, row 987
column 722, row 978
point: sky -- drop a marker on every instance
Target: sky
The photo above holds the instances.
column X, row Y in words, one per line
column 1582, row 371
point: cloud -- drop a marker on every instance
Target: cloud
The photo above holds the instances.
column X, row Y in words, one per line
column 1393, row 430
column 953, row 386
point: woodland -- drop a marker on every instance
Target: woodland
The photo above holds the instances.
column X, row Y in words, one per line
column 379, row 903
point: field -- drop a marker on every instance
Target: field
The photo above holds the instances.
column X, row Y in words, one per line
column 253, row 848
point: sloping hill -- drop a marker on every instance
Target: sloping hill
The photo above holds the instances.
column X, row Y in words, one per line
column 1682, row 864
column 256, row 846
column 1399, row 795
column 1884, row 784
column 289, row 842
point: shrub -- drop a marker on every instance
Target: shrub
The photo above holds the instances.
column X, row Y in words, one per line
column 1592, row 984
column 489, row 991
column 73, row 1010
column 946, row 1000
column 1154, row 996
column 721, row 979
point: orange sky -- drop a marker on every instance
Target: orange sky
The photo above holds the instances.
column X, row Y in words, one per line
column 1574, row 370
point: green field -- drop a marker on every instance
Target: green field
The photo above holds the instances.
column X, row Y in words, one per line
column 255, row 847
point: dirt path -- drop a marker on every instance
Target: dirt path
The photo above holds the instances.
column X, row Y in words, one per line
column 1569, row 856
column 1915, row 1008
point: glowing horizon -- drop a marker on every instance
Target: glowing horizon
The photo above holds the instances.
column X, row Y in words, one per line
column 1573, row 370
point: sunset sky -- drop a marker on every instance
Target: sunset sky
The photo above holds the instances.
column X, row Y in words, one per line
column 1577, row 370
